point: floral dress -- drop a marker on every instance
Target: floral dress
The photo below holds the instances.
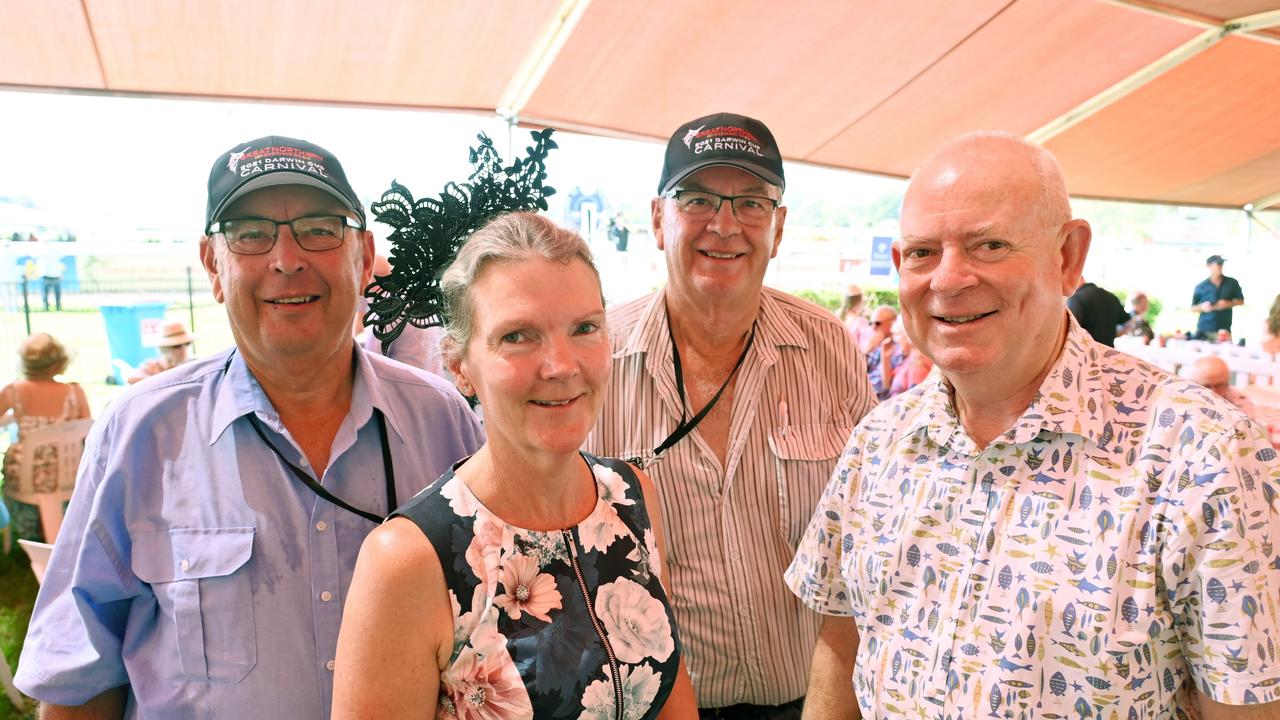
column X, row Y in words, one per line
column 566, row 623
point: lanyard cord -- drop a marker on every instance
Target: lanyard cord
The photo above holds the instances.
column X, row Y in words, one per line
column 318, row 489
column 686, row 427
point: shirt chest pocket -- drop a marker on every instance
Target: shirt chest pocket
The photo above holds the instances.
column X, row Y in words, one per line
column 200, row 577
column 803, row 458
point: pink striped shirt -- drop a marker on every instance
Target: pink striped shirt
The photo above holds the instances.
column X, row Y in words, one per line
column 731, row 531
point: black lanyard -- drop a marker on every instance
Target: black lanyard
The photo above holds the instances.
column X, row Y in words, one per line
column 686, row 426
column 318, row 489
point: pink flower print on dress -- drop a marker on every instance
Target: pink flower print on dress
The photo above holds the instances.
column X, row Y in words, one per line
column 527, row 590
column 640, row 685
column 461, row 501
column 601, row 528
column 635, row 621
column 612, row 488
column 483, row 689
column 484, row 554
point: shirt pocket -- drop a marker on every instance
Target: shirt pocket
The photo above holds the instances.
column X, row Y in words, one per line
column 803, row 458
column 201, row 582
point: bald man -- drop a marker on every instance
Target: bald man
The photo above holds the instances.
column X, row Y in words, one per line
column 1213, row 373
column 1047, row 528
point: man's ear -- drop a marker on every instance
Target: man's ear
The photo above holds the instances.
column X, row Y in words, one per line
column 655, row 221
column 209, row 259
column 781, row 215
column 1077, row 236
column 366, row 258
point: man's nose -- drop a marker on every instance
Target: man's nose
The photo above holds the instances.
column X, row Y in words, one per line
column 287, row 256
column 724, row 221
column 953, row 274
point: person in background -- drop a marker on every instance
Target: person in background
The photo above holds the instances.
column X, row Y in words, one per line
column 1045, row 528
column 736, row 398
column 1098, row 311
column 1271, row 342
column 852, row 307
column 915, row 368
column 416, row 347
column 1137, row 324
column 35, row 401
column 532, row 572
column 174, row 342
column 619, row 233
column 884, row 355
column 210, row 543
column 1213, row 373
column 51, row 269
column 1214, row 298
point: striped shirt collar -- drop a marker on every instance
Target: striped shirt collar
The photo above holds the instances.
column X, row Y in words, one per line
column 774, row 329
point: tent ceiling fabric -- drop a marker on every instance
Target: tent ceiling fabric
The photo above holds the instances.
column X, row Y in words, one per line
column 873, row 85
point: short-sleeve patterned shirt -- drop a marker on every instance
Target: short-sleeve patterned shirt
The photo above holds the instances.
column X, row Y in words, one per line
column 1113, row 550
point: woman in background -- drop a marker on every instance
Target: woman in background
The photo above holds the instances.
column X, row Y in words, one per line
column 527, row 581
column 33, row 402
column 1271, row 343
column 851, row 313
column 915, row 367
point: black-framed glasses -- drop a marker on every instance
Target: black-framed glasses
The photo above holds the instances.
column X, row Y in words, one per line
column 256, row 236
column 749, row 209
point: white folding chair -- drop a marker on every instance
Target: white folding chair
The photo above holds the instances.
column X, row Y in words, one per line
column 38, row 553
column 67, row 438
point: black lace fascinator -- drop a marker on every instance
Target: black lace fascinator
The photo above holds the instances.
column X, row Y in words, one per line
column 429, row 232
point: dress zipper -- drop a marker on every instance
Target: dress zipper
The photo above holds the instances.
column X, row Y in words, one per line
column 614, row 668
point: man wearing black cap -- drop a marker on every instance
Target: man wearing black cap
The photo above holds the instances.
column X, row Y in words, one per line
column 1213, row 299
column 204, row 560
column 737, row 399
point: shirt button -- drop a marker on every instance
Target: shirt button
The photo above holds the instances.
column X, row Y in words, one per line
column 302, row 461
column 185, row 565
column 326, row 596
column 329, row 666
column 322, row 526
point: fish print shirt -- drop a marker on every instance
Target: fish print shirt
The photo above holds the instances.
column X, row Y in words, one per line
column 1112, row 552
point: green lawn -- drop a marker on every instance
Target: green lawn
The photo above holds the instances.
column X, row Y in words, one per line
column 17, row 595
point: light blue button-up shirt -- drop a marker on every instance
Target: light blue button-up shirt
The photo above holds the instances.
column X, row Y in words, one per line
column 196, row 568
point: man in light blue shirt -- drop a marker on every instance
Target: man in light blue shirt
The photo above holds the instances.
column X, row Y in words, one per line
column 220, row 507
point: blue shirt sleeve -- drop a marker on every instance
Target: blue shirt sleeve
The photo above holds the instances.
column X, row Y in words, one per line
column 73, row 650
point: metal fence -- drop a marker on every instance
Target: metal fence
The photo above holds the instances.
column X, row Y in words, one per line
column 81, row 314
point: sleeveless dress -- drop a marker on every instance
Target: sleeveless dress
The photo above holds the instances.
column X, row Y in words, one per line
column 558, row 624
column 25, row 518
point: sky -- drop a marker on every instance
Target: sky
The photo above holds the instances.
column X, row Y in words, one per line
column 105, row 165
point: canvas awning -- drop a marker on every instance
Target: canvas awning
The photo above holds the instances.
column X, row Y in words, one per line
column 1175, row 101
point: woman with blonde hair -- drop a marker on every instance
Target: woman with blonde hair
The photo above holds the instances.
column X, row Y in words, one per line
column 35, row 401
column 527, row 582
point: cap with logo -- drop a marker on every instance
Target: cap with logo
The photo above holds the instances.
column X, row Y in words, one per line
column 276, row 160
column 721, row 139
column 1215, row 260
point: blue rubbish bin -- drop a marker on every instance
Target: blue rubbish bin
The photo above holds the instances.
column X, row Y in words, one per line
column 124, row 333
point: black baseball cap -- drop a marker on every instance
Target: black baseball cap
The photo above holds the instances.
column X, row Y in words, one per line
column 722, row 139
column 1215, row 260
column 276, row 160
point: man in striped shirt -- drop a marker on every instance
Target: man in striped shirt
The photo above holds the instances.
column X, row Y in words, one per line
column 737, row 399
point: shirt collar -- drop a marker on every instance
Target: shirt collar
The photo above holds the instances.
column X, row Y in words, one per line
column 774, row 329
column 239, row 394
column 1068, row 401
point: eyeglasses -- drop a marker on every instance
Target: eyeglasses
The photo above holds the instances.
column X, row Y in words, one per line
column 749, row 209
column 256, row 236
